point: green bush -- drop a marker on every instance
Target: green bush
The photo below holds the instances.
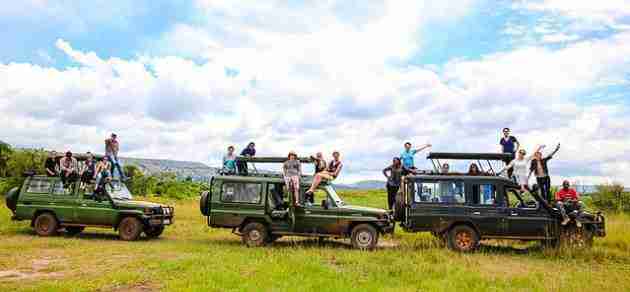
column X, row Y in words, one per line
column 166, row 185
column 611, row 197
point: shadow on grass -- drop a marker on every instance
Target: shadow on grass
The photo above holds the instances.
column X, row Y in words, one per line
column 88, row 236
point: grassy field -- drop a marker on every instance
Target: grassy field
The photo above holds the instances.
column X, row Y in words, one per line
column 192, row 257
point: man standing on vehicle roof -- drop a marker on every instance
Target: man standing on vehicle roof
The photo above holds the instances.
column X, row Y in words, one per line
column 407, row 155
column 111, row 151
column 509, row 145
column 564, row 196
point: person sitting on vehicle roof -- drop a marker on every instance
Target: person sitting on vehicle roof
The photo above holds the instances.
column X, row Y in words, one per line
column 249, row 151
column 474, row 170
column 88, row 170
column 51, row 164
column 407, row 155
column 292, row 171
column 69, row 169
column 102, row 170
column 520, row 165
column 229, row 162
column 445, row 168
column 565, row 196
column 333, row 171
column 320, row 163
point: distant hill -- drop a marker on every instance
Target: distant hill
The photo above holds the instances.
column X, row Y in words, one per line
column 362, row 185
column 183, row 169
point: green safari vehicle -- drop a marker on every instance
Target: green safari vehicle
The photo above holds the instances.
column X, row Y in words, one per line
column 51, row 207
column 256, row 207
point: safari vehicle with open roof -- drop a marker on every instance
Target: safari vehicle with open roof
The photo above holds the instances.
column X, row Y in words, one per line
column 51, row 207
column 463, row 209
column 255, row 207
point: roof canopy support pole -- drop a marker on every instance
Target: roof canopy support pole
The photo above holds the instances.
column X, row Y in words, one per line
column 491, row 169
column 480, row 166
column 434, row 167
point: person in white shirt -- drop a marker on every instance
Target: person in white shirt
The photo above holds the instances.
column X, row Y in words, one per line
column 520, row 167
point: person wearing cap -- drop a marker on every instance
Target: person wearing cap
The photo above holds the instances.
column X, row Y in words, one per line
column 292, row 171
column 111, row 151
column 567, row 195
column 330, row 174
column 69, row 168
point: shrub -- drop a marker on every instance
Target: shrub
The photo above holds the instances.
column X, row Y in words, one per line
column 611, row 197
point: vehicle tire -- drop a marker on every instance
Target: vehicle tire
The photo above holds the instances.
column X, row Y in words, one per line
column 399, row 208
column 11, row 198
column 574, row 237
column 203, row 203
column 74, row 230
column 46, row 224
column 463, row 238
column 364, row 237
column 154, row 231
column 255, row 234
column 130, row 229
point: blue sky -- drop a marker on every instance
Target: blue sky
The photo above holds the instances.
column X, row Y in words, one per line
column 184, row 79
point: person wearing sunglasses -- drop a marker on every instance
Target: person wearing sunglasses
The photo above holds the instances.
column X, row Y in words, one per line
column 520, row 167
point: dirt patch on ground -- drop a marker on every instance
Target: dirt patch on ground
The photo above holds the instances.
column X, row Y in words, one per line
column 138, row 287
column 39, row 268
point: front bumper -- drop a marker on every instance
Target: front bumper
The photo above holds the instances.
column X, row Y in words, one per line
column 165, row 218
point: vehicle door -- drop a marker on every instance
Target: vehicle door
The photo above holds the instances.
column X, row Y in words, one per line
column 434, row 204
column 36, row 197
column 319, row 218
column 486, row 208
column 64, row 201
column 236, row 201
column 95, row 210
column 526, row 220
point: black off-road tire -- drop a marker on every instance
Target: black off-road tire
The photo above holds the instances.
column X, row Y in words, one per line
column 74, row 230
column 255, row 234
column 130, row 229
column 364, row 237
column 463, row 238
column 573, row 237
column 11, row 198
column 154, row 231
column 46, row 224
column 203, row 203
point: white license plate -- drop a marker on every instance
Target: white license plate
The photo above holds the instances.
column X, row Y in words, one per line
column 167, row 221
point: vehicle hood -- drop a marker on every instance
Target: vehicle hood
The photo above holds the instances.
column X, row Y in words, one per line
column 136, row 204
column 364, row 210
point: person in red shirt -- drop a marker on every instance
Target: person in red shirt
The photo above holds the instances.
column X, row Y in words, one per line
column 564, row 195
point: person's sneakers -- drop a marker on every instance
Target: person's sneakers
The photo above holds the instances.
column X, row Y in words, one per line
column 578, row 223
column 565, row 221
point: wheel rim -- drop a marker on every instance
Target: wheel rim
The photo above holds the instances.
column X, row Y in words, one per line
column 43, row 224
column 364, row 238
column 464, row 239
column 127, row 229
column 255, row 235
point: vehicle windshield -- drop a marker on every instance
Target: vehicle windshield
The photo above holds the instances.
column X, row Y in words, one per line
column 334, row 196
column 118, row 191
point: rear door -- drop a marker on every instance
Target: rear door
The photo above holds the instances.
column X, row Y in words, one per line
column 235, row 202
column 486, row 208
column 434, row 204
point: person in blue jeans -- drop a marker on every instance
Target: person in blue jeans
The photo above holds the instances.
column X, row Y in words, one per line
column 407, row 155
column 111, row 151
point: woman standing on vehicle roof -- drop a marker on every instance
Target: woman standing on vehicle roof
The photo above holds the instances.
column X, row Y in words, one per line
column 394, row 174
column 520, row 166
column 292, row 171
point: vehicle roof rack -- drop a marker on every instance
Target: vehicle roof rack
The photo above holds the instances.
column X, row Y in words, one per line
column 271, row 159
column 469, row 156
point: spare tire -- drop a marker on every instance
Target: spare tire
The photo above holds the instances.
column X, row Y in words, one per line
column 12, row 198
column 203, row 203
column 399, row 208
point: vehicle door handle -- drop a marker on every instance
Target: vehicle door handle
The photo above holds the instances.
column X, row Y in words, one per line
column 51, row 203
column 476, row 213
column 83, row 205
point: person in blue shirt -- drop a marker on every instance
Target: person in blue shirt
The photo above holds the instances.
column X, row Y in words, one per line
column 407, row 155
column 229, row 162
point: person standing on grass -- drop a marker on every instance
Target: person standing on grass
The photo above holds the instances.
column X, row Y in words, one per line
column 51, row 164
column 407, row 155
column 394, row 174
column 509, row 145
column 111, row 151
column 292, row 171
column 540, row 169
column 229, row 162
column 520, row 166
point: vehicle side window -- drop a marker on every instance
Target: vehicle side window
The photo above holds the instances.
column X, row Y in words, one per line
column 241, row 193
column 39, row 186
column 216, row 188
column 59, row 190
column 447, row 192
column 484, row 194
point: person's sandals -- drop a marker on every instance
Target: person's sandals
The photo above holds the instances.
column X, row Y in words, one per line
column 565, row 221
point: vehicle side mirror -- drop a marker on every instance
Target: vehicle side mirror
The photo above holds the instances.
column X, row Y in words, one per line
column 325, row 204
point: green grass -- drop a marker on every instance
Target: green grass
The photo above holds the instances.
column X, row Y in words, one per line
column 192, row 257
